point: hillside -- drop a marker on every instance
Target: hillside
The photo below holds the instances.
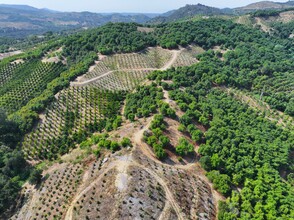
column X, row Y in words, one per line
column 190, row 11
column 275, row 22
column 186, row 12
column 263, row 5
column 182, row 120
column 21, row 20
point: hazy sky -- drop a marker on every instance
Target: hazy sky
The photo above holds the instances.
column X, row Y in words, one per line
column 124, row 5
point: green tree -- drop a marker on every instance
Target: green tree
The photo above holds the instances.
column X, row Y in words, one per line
column 35, row 176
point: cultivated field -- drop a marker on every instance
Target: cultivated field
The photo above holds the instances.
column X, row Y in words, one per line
column 21, row 82
column 75, row 108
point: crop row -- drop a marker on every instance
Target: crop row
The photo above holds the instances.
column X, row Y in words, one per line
column 185, row 59
column 75, row 109
column 7, row 72
column 120, row 81
column 29, row 81
column 153, row 58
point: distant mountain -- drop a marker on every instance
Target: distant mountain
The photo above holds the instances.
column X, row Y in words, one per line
column 22, row 20
column 199, row 9
column 264, row 5
column 188, row 11
column 19, row 7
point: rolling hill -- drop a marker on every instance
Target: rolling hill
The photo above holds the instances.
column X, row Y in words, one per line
column 181, row 120
column 263, row 5
column 22, row 20
column 188, row 11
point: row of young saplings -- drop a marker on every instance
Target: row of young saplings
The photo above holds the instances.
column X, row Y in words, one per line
column 120, row 81
column 74, row 109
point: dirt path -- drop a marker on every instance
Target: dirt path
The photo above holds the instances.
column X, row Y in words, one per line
column 172, row 103
column 69, row 213
column 280, row 118
column 165, row 67
column 262, row 25
column 169, row 64
column 84, row 83
column 91, row 80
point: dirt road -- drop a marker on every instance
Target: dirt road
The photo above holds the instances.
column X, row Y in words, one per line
column 168, row 65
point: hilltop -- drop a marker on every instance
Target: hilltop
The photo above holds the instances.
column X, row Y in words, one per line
column 186, row 12
column 21, row 20
column 264, row 5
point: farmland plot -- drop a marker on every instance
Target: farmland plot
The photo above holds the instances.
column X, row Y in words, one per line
column 75, row 109
column 120, row 80
column 24, row 82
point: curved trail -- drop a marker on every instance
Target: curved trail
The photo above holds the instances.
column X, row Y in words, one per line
column 169, row 195
column 69, row 213
column 169, row 64
column 138, row 143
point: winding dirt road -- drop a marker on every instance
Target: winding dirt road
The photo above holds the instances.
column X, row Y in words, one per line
column 138, row 143
column 168, row 65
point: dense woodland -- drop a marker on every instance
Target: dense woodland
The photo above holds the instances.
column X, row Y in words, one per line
column 241, row 149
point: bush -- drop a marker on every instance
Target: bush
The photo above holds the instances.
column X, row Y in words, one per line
column 114, row 146
column 36, row 176
column 126, row 142
column 221, row 182
column 184, row 147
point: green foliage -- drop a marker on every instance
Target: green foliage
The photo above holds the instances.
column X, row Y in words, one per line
column 290, row 108
column 195, row 133
column 35, row 176
column 266, row 197
column 143, row 102
column 9, row 132
column 220, row 181
column 182, row 128
column 166, row 110
column 158, row 122
column 114, row 146
column 126, row 142
column 14, row 171
column 283, row 30
column 239, row 142
column 184, row 147
column 108, row 39
column 265, row 13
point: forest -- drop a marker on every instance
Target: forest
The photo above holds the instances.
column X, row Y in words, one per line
column 241, row 149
